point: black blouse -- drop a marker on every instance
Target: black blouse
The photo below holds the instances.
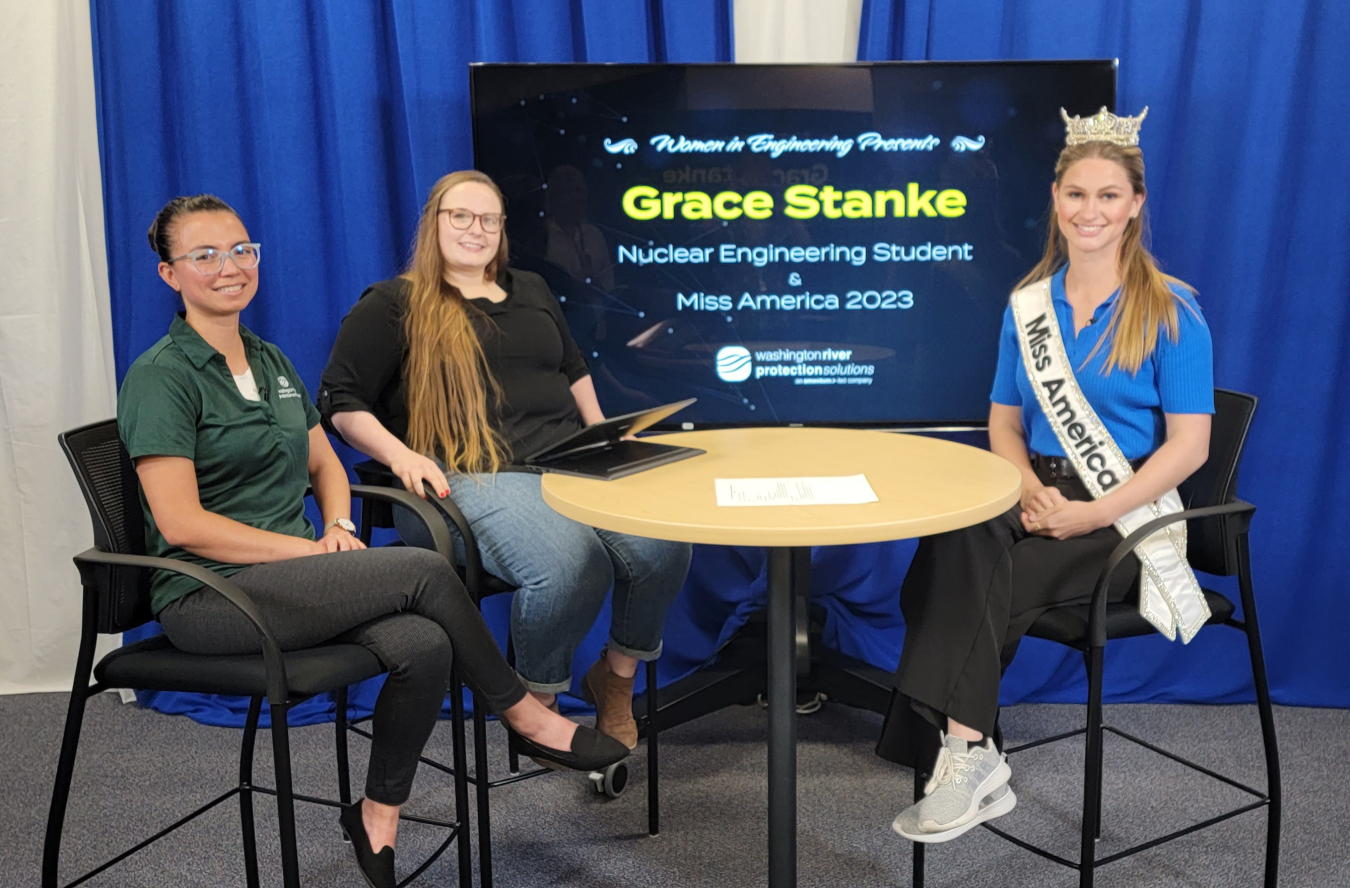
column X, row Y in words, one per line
column 526, row 343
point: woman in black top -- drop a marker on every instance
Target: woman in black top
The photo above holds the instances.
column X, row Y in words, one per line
column 455, row 372
column 225, row 441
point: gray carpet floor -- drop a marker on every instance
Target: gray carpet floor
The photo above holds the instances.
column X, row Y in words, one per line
column 139, row 770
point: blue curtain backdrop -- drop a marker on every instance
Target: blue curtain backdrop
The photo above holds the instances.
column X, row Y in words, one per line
column 1246, row 145
column 325, row 124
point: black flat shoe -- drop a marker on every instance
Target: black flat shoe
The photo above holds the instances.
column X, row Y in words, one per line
column 378, row 869
column 591, row 750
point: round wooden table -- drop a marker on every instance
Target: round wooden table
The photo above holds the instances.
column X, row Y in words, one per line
column 924, row 486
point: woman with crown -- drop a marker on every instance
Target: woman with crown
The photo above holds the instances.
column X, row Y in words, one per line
column 1102, row 398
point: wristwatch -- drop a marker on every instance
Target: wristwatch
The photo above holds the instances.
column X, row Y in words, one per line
column 344, row 523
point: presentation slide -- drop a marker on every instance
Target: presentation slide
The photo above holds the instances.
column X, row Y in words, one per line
column 807, row 244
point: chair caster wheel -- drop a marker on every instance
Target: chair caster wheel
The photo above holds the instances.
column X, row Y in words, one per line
column 610, row 782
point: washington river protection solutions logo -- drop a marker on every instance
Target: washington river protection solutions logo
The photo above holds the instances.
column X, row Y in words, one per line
column 794, row 362
column 733, row 363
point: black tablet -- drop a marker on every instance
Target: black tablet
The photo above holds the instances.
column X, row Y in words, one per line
column 600, row 451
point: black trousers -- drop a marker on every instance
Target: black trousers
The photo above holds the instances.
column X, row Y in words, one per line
column 401, row 603
column 969, row 598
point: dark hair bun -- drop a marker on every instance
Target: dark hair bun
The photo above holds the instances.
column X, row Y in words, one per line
column 161, row 230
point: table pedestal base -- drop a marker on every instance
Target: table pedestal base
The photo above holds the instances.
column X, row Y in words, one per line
column 784, row 638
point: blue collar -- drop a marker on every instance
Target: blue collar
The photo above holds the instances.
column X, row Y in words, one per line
column 1057, row 294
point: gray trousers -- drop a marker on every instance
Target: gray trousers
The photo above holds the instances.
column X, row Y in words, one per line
column 401, row 603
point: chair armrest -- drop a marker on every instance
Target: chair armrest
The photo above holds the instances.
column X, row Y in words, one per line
column 431, row 520
column 90, row 560
column 1097, row 618
column 375, row 471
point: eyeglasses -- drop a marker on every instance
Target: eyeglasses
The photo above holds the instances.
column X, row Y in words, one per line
column 463, row 220
column 209, row 260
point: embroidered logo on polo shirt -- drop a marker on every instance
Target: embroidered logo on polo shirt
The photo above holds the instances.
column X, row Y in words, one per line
column 286, row 390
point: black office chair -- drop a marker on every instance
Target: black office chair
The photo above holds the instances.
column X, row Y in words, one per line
column 1217, row 528
column 115, row 575
column 481, row 584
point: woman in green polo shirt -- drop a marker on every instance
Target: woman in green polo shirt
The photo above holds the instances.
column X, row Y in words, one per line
column 225, row 442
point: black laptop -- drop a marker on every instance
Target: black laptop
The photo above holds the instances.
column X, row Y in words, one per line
column 599, row 451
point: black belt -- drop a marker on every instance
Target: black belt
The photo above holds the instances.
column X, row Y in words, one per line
column 1061, row 467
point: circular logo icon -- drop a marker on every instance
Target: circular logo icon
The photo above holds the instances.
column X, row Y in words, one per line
column 285, row 383
column 733, row 363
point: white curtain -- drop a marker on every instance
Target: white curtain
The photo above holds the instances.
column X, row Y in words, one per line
column 797, row 30
column 56, row 364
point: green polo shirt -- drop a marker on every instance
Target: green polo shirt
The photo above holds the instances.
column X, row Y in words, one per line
column 251, row 457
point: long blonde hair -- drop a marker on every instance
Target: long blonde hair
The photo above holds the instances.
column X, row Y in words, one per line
column 1146, row 302
column 446, row 375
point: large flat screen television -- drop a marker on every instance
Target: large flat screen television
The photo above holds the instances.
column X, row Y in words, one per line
column 813, row 244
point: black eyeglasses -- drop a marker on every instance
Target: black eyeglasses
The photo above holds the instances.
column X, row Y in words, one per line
column 209, row 260
column 463, row 219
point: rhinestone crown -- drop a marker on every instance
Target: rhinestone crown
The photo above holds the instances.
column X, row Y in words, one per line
column 1102, row 127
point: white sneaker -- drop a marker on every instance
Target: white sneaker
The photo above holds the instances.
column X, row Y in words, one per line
column 969, row 786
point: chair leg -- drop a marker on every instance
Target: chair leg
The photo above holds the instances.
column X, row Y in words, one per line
column 1263, row 706
column 512, row 759
column 1097, row 819
column 1092, row 770
column 281, row 752
column 480, row 770
column 461, row 761
column 70, row 743
column 653, row 753
column 920, row 779
column 246, row 827
column 344, row 772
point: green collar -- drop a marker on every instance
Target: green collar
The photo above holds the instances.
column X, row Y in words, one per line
column 198, row 350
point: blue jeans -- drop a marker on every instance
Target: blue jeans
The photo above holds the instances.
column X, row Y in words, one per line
column 563, row 571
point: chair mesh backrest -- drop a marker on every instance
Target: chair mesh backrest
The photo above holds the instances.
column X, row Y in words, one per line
column 1215, row 483
column 112, row 492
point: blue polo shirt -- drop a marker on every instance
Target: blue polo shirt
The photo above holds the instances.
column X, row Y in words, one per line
column 1177, row 378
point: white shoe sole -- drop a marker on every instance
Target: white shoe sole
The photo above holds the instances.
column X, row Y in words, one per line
column 988, row 812
column 977, row 815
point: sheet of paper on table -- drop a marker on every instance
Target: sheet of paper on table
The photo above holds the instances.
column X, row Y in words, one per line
column 821, row 491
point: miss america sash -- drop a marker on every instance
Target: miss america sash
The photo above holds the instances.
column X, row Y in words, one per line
column 1169, row 596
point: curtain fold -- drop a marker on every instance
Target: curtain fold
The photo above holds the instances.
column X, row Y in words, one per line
column 1249, row 118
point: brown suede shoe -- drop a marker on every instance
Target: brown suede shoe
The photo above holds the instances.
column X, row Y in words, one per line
column 612, row 698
